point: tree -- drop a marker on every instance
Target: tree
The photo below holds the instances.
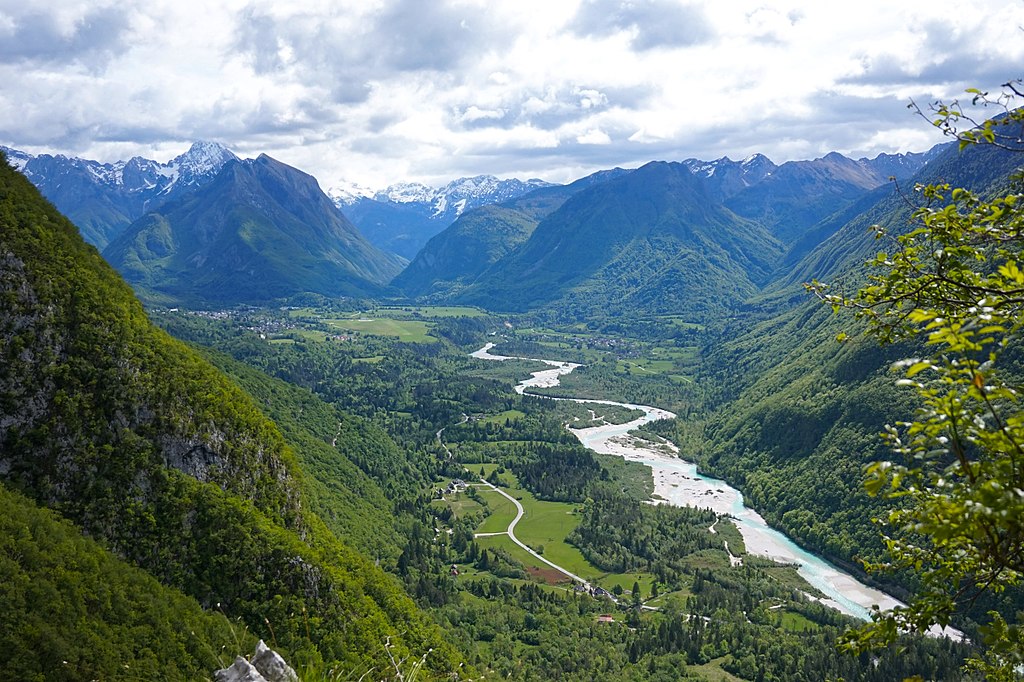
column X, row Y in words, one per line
column 954, row 284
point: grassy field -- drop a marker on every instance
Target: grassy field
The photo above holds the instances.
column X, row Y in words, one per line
column 292, row 334
column 544, row 525
column 728, row 531
column 502, row 511
column 795, row 622
column 536, row 568
column 409, row 331
column 500, row 418
column 712, row 671
column 478, row 471
column 662, row 598
column 461, row 505
column 626, row 580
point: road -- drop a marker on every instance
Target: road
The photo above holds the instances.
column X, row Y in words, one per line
column 465, row 418
column 511, row 532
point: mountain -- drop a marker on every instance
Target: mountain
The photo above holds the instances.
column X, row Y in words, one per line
column 790, row 198
column 403, row 217
column 649, row 241
column 798, row 194
column 147, row 448
column 903, row 166
column 104, row 198
column 481, row 237
column 797, row 414
column 260, row 230
column 725, row 177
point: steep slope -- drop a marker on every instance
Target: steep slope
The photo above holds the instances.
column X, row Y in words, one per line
column 74, row 611
column 261, row 230
column 402, row 218
column 481, row 237
column 103, row 199
column 649, row 241
column 335, row 450
column 144, row 445
column 799, row 414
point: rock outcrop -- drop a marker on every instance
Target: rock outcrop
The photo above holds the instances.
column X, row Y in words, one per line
column 266, row 665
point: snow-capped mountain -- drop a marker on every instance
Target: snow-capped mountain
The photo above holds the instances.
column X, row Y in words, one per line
column 402, row 217
column 407, row 193
column 901, row 166
column 16, row 158
column 457, row 195
column 724, row 177
column 348, row 193
column 104, row 198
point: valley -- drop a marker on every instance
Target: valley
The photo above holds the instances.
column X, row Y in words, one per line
column 586, row 341
column 678, row 482
column 587, row 431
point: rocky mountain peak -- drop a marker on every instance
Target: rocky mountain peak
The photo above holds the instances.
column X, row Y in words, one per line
column 202, row 159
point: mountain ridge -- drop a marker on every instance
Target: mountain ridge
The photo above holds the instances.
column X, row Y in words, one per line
column 403, row 217
column 103, row 199
column 260, row 230
column 481, row 237
column 142, row 444
column 646, row 241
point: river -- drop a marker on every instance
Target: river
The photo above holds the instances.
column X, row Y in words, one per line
column 677, row 482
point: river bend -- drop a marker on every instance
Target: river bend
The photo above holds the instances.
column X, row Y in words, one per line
column 677, row 482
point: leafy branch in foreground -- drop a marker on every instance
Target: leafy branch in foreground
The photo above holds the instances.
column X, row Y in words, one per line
column 955, row 283
column 1005, row 130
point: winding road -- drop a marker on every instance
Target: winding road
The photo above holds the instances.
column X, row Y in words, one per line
column 511, row 532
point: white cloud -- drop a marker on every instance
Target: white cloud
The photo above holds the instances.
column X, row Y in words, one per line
column 594, row 136
column 377, row 92
column 475, row 113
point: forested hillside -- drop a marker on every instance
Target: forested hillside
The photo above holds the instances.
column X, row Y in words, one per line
column 145, row 446
column 650, row 241
column 797, row 414
column 464, row 251
column 260, row 230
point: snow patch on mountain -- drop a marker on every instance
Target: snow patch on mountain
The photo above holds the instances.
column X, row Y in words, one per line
column 348, row 193
column 16, row 158
column 200, row 163
column 202, row 158
column 407, row 193
column 440, row 203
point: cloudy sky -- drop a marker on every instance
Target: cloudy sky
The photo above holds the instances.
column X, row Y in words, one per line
column 380, row 91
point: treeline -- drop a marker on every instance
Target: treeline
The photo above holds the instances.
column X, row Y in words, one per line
column 620, row 535
column 553, row 472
